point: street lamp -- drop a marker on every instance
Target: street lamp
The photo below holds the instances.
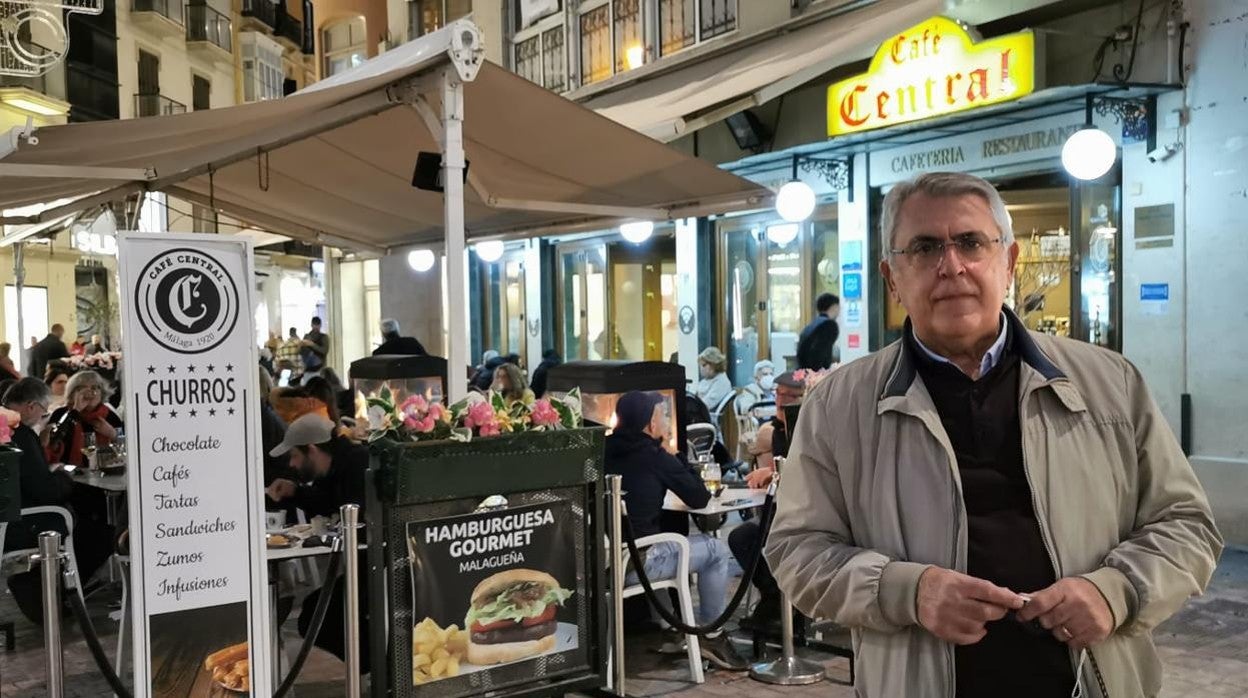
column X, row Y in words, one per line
column 796, row 200
column 637, row 232
column 489, row 251
column 421, row 260
column 1089, row 153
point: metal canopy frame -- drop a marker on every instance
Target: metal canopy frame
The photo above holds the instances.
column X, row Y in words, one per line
column 1050, row 102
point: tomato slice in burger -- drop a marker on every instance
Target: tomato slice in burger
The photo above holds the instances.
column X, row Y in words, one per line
column 547, row 616
column 477, row 627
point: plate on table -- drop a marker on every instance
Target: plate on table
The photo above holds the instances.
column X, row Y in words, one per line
column 278, row 541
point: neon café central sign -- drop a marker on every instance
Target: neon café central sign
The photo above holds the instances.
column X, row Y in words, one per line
column 932, row 69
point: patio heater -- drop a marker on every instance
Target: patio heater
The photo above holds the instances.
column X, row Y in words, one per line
column 402, row 375
column 603, row 382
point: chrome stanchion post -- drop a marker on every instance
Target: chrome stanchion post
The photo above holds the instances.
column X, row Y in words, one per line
column 49, row 558
column 789, row 669
column 351, row 570
column 616, row 492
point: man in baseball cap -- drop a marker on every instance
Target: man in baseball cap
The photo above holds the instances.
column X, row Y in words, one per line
column 332, row 467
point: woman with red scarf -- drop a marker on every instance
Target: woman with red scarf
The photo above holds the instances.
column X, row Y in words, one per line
column 85, row 414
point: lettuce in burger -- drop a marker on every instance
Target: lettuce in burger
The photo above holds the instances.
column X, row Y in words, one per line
column 512, row 616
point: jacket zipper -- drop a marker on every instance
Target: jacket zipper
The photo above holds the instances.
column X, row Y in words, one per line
column 1042, row 523
column 953, row 564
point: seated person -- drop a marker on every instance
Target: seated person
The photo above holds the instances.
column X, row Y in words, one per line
column 509, row 382
column 634, row 451
column 39, row 486
column 746, row 539
column 762, row 389
column 86, row 414
column 714, row 385
column 333, row 469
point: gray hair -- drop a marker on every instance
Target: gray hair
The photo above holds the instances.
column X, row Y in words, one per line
column 27, row 390
column 389, row 326
column 942, row 184
column 87, row 379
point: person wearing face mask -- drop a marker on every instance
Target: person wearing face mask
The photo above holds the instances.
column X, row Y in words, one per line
column 634, row 451
column 714, row 385
column 762, row 389
column 332, row 468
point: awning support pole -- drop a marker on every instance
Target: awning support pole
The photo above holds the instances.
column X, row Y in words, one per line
column 458, row 338
column 19, row 282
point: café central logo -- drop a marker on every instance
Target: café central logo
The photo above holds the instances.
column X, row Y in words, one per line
column 187, row 301
column 932, row 69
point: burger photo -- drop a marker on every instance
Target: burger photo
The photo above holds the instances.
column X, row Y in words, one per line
column 512, row 616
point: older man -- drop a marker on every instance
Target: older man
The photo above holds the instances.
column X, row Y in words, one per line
column 994, row 512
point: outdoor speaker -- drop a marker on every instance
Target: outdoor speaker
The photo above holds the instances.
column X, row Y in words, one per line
column 747, row 130
column 428, row 173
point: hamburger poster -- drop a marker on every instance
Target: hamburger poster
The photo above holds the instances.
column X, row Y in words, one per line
column 492, row 589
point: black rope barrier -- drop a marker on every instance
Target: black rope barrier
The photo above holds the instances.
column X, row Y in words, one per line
column 93, row 640
column 665, row 613
column 314, row 628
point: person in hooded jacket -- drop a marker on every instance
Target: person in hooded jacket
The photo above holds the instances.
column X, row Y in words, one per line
column 635, row 451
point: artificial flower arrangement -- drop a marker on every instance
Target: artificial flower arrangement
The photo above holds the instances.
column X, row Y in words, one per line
column 478, row 415
column 9, row 420
column 810, row 377
column 106, row 360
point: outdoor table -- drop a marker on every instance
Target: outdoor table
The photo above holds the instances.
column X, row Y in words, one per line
column 114, row 486
column 731, row 499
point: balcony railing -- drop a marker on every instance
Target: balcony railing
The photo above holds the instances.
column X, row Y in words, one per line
column 263, row 10
column 156, row 105
column 288, row 27
column 206, row 24
column 172, row 9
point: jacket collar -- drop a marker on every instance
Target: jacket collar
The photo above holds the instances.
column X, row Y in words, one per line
column 904, row 371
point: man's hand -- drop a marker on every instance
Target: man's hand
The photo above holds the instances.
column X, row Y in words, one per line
column 1074, row 610
column 280, row 489
column 955, row 607
column 758, row 479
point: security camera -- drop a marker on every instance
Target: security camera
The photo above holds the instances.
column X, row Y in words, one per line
column 1164, row 153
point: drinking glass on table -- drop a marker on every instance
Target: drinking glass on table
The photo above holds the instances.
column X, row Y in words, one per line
column 711, row 475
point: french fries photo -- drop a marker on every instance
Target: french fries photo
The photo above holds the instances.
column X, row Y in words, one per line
column 436, row 651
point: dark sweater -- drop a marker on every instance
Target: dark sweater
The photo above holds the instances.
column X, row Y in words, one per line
column 816, row 343
column 649, row 472
column 344, row 484
column 1004, row 544
column 400, row 346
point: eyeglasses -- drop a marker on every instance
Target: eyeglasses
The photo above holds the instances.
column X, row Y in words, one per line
column 927, row 252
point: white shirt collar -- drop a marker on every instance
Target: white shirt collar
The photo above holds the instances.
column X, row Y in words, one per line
column 991, row 357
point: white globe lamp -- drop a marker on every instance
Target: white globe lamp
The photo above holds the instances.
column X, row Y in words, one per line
column 795, row 201
column 421, row 260
column 637, row 232
column 489, row 251
column 1089, row 153
column 783, row 234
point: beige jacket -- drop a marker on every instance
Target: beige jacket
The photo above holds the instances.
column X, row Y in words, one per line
column 870, row 496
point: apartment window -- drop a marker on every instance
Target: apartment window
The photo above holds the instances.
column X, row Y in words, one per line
column 595, row 44
column 529, row 59
column 262, row 67
column 554, row 60
column 424, row 16
column 539, row 50
column 630, row 43
column 201, row 93
column 346, row 45
column 716, row 17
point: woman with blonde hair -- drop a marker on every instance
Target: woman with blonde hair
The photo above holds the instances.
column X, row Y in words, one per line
column 714, row 384
column 510, row 383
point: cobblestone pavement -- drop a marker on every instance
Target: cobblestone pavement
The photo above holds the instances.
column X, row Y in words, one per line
column 1204, row 647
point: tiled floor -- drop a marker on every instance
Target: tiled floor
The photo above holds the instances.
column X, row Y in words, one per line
column 1204, row 647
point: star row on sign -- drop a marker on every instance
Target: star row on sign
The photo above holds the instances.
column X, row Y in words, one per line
column 173, row 414
column 191, row 368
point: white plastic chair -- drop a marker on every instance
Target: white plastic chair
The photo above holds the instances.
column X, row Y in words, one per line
column 123, row 561
column 681, row 584
column 67, row 544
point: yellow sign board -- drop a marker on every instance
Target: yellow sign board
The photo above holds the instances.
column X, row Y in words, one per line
column 932, row 69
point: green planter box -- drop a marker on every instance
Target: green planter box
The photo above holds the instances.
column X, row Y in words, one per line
column 553, row 480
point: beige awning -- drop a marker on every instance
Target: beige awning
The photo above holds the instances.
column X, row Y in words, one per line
column 335, row 164
column 708, row 85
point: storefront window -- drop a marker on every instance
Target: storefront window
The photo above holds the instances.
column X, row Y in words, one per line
column 502, row 305
column 584, row 303
column 741, row 291
column 1041, row 296
column 34, row 314
column 1100, row 299
column 784, row 299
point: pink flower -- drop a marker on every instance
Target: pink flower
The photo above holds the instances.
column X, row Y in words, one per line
column 414, row 404
column 6, row 434
column 439, row 413
column 423, row 426
column 490, row 429
column 481, row 417
column 543, row 414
